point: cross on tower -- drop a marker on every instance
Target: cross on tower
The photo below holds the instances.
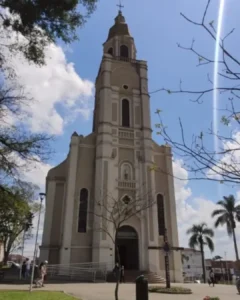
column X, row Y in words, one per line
column 120, row 5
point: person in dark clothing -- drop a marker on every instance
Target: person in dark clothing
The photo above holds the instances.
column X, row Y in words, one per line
column 116, row 271
column 122, row 278
column 24, row 269
column 211, row 278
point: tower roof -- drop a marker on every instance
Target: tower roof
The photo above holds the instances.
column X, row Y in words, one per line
column 119, row 28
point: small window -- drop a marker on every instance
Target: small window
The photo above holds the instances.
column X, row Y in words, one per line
column 82, row 215
column 124, row 51
column 188, row 267
column 110, row 51
column 126, row 200
column 125, row 113
column 161, row 215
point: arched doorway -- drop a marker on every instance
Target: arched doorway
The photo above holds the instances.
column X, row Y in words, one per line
column 127, row 243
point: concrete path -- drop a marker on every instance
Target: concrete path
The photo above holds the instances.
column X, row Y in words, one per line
column 105, row 291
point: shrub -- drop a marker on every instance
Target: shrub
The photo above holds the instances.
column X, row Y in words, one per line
column 172, row 290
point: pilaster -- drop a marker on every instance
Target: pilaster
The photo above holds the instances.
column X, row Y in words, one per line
column 65, row 255
column 50, row 197
column 177, row 263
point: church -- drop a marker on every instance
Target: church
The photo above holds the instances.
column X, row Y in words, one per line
column 116, row 158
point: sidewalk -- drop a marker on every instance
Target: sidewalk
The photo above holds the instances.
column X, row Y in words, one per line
column 105, row 291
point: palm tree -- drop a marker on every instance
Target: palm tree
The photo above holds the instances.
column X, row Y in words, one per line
column 228, row 214
column 201, row 235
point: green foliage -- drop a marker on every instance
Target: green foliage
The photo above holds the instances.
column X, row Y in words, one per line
column 172, row 290
column 201, row 235
column 225, row 121
column 158, row 111
column 16, row 214
column 228, row 214
column 23, row 295
column 41, row 22
column 17, row 146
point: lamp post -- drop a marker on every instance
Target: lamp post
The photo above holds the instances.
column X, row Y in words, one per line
column 42, row 196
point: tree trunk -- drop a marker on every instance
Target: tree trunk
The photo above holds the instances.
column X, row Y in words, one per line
column 235, row 245
column 203, row 263
column 117, row 274
column 5, row 259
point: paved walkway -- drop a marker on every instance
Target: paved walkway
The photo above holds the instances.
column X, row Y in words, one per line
column 105, row 291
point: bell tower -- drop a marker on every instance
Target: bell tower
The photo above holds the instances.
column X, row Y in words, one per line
column 119, row 42
column 123, row 136
column 114, row 163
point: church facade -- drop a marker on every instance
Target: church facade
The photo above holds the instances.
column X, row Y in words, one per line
column 116, row 157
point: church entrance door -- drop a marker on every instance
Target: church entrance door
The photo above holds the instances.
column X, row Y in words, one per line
column 127, row 243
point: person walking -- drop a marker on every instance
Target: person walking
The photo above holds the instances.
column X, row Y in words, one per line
column 42, row 272
column 24, row 270
column 122, row 278
column 116, row 271
column 211, row 277
column 28, row 267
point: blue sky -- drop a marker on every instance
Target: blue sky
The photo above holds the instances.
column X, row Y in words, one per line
column 157, row 27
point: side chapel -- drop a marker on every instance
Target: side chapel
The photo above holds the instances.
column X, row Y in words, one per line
column 116, row 156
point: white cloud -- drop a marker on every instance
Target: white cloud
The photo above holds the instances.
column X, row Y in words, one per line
column 56, row 83
column 36, row 173
column 193, row 210
column 229, row 162
column 58, row 93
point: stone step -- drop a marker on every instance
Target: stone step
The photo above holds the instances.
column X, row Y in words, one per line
column 154, row 278
column 130, row 276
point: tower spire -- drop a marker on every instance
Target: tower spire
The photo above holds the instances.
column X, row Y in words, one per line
column 120, row 6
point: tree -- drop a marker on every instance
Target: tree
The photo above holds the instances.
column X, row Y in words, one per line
column 201, row 236
column 36, row 23
column 16, row 214
column 18, row 146
column 227, row 215
column 111, row 213
column 203, row 162
column 28, row 27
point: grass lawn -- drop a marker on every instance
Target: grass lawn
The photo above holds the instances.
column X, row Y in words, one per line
column 25, row 295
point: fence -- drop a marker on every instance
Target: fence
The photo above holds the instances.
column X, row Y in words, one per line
column 82, row 272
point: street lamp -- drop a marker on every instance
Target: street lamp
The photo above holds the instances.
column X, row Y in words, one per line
column 42, row 196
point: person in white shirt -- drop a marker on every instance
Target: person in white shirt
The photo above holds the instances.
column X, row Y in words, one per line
column 28, row 267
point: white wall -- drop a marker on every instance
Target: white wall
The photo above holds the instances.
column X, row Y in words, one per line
column 192, row 267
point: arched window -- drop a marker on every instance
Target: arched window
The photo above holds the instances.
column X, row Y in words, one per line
column 83, row 206
column 124, row 51
column 110, row 51
column 125, row 113
column 161, row 215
